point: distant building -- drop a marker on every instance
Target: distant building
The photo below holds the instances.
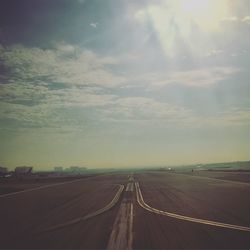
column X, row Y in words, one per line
column 23, row 170
column 76, row 169
column 58, row 169
column 3, row 171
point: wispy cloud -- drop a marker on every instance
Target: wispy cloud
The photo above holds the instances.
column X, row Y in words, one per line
column 214, row 52
column 143, row 108
column 39, row 106
column 229, row 118
column 64, row 64
column 68, row 85
column 230, row 19
column 246, row 19
column 198, row 78
column 235, row 19
column 54, row 87
column 94, row 25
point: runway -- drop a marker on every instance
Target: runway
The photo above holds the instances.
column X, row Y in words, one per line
column 90, row 215
column 140, row 200
column 26, row 216
column 144, row 210
column 39, row 187
column 175, row 212
column 122, row 232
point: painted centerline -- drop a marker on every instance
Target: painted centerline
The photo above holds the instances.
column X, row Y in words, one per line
column 122, row 233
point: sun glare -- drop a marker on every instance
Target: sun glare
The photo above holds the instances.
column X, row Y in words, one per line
column 194, row 6
column 205, row 13
column 177, row 18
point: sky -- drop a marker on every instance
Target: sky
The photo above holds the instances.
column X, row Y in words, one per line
column 124, row 83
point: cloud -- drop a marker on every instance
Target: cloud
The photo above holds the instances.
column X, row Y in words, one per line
column 38, row 106
column 237, row 116
column 94, row 25
column 150, row 111
column 54, row 88
column 23, row 94
column 143, row 108
column 79, row 98
column 246, row 19
column 65, row 64
column 214, row 52
column 230, row 19
column 67, row 86
column 235, row 19
column 196, row 78
column 230, row 118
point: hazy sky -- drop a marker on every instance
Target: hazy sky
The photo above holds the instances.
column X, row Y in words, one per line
column 113, row 83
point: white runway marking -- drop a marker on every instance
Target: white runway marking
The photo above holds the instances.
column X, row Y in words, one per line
column 122, row 233
column 130, row 187
column 141, row 202
column 215, row 179
column 48, row 186
column 40, row 187
column 130, row 239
